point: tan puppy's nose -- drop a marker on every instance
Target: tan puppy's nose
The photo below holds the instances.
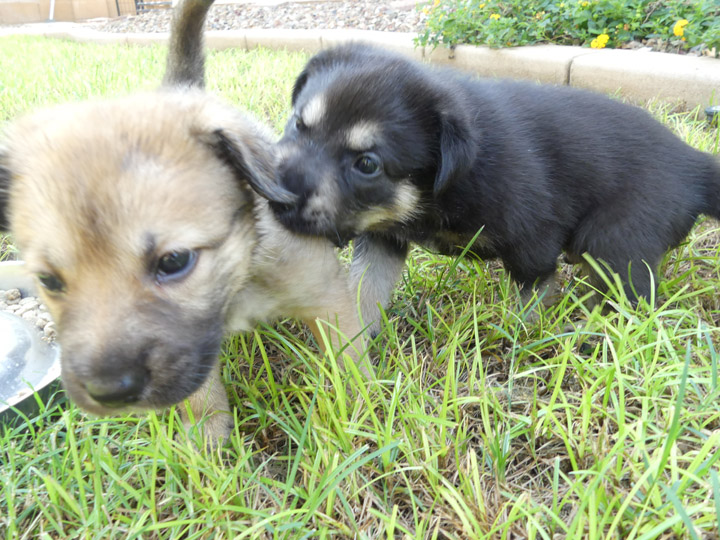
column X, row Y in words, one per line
column 118, row 389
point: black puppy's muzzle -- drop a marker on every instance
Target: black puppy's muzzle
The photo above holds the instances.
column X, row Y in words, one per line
column 298, row 175
column 293, row 183
column 296, row 180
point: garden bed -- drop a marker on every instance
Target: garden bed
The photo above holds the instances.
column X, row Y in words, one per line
column 679, row 26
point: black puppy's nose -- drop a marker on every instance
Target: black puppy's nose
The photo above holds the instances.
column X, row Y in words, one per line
column 299, row 176
column 118, row 389
column 291, row 180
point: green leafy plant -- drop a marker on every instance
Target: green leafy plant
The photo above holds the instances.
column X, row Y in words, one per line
column 681, row 24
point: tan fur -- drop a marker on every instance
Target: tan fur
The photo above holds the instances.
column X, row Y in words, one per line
column 314, row 112
column 363, row 135
column 100, row 191
column 404, row 207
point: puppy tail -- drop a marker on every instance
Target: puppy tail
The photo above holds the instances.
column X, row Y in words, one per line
column 186, row 57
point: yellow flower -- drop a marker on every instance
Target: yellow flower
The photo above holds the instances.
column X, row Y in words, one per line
column 427, row 9
column 481, row 5
column 495, row 16
column 679, row 28
column 600, row 41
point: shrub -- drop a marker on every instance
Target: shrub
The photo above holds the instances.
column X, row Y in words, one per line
column 595, row 23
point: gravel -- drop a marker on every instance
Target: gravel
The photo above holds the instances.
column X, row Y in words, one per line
column 399, row 16
column 31, row 309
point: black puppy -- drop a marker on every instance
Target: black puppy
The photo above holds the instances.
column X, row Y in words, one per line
column 389, row 151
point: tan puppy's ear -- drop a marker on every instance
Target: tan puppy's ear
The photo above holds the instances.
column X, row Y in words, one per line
column 4, row 191
column 240, row 141
column 249, row 157
column 246, row 146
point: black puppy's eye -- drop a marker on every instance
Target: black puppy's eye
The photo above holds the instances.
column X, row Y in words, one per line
column 51, row 283
column 175, row 265
column 367, row 164
column 299, row 124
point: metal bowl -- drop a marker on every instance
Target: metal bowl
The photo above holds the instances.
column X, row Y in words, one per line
column 713, row 114
column 27, row 363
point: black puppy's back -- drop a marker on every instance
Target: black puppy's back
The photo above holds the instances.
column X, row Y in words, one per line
column 562, row 169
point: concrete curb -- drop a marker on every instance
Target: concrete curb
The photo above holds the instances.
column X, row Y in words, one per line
column 639, row 76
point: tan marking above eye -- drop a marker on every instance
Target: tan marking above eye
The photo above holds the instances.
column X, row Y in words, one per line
column 363, row 135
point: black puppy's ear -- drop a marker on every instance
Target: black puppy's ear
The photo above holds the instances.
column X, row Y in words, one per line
column 299, row 85
column 458, row 150
column 324, row 60
column 4, row 192
column 253, row 162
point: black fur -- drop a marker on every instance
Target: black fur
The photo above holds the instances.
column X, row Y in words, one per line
column 539, row 169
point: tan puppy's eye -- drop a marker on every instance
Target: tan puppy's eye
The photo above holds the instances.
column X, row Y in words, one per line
column 175, row 265
column 51, row 283
column 367, row 164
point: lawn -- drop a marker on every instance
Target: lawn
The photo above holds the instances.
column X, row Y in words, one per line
column 482, row 423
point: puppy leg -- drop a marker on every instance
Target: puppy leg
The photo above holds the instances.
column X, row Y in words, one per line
column 637, row 275
column 629, row 247
column 341, row 327
column 546, row 290
column 376, row 266
column 535, row 272
column 210, row 409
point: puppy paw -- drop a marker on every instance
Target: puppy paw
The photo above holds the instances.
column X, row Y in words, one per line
column 373, row 331
column 213, row 429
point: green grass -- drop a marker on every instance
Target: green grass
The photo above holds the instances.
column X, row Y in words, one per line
column 481, row 425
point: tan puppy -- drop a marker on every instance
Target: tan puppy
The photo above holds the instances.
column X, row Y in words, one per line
column 136, row 218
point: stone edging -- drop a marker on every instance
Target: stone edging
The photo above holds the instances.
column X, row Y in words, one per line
column 637, row 75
